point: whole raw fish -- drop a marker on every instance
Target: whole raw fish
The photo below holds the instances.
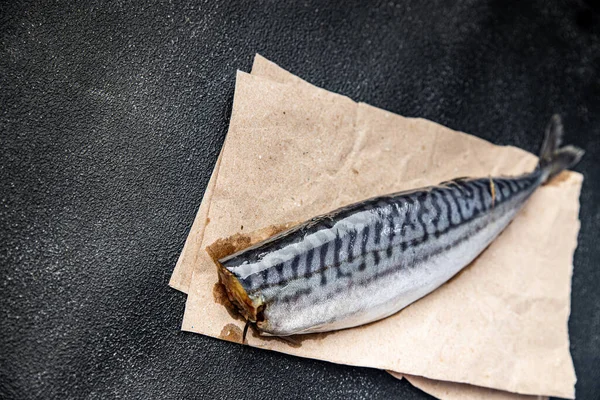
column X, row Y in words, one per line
column 368, row 260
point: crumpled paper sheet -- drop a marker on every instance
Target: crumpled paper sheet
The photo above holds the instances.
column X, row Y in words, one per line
column 501, row 324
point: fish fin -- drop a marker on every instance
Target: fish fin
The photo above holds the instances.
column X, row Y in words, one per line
column 290, row 341
column 553, row 158
column 245, row 331
column 493, row 191
column 455, row 180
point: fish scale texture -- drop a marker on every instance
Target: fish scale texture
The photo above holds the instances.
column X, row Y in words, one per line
column 111, row 118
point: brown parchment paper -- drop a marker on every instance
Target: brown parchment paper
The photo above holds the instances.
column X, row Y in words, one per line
column 479, row 328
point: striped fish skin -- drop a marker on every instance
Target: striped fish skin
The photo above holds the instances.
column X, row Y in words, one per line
column 366, row 261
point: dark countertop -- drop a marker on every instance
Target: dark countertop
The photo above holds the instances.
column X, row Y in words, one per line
column 111, row 119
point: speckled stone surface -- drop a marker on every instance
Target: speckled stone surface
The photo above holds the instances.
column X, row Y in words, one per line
column 111, row 119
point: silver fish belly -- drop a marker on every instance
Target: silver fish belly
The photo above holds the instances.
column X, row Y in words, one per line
column 369, row 260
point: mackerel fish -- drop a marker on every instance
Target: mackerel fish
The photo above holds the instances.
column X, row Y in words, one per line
column 369, row 260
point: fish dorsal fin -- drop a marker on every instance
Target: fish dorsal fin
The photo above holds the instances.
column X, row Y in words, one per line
column 455, row 180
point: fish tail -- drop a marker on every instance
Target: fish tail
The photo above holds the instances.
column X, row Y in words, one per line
column 553, row 158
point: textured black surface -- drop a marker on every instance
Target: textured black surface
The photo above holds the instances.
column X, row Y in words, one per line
column 111, row 119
